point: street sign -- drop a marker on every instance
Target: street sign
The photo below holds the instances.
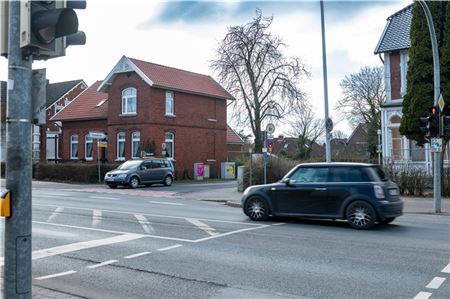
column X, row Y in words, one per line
column 270, row 129
column 436, row 145
column 329, row 125
column 441, row 103
column 102, row 144
column 97, row 135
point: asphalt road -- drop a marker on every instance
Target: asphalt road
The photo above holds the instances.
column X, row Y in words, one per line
column 156, row 243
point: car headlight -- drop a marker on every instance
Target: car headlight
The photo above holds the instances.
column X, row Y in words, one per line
column 122, row 176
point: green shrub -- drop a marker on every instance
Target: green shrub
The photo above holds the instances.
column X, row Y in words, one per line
column 410, row 180
column 71, row 172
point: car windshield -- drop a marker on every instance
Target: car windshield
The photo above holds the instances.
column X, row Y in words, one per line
column 380, row 173
column 129, row 165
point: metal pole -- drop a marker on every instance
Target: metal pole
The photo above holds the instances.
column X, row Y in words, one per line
column 17, row 269
column 251, row 167
column 56, row 148
column 325, row 83
column 437, row 91
column 98, row 162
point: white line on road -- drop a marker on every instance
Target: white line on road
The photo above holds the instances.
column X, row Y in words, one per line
column 102, row 264
column 167, row 203
column 281, row 223
column 170, row 247
column 435, row 283
column 146, row 226
column 57, row 211
column 446, row 269
column 53, row 194
column 231, row 233
column 104, row 197
column 136, row 255
column 56, row 275
column 423, row 295
column 96, row 217
column 203, row 226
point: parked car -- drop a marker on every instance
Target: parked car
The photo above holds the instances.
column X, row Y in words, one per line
column 141, row 172
column 360, row 193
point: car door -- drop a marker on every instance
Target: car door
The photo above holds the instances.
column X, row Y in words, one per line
column 157, row 171
column 145, row 171
column 306, row 192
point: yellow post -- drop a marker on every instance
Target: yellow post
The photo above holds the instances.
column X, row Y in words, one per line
column 5, row 204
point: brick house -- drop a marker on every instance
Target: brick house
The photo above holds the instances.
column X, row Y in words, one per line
column 235, row 144
column 183, row 114
column 289, row 146
column 355, row 147
column 393, row 48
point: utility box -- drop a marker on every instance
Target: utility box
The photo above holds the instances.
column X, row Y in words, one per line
column 228, row 170
column 206, row 173
column 199, row 171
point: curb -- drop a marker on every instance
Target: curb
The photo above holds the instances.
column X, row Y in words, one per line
column 233, row 204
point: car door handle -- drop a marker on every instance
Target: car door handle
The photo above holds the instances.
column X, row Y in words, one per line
column 321, row 189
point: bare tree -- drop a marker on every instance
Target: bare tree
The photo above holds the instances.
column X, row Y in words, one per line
column 307, row 128
column 363, row 96
column 250, row 64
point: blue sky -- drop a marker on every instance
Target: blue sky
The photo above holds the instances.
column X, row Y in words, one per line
column 185, row 34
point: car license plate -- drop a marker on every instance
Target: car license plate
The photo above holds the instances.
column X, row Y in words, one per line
column 109, row 179
column 393, row 192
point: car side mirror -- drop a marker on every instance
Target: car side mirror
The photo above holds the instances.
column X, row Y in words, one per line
column 286, row 181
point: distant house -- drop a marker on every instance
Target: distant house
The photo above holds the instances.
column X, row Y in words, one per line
column 288, row 146
column 235, row 144
column 355, row 147
column 147, row 107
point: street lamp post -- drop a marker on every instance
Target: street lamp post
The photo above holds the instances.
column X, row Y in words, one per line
column 325, row 83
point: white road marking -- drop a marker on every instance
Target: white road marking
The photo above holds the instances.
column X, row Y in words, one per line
column 170, row 247
column 43, row 253
column 423, row 295
column 57, row 211
column 230, row 233
column 102, row 264
column 167, row 203
column 53, row 194
column 56, row 275
column 446, row 269
column 96, row 217
column 435, row 283
column 281, row 223
column 203, row 226
column 146, row 226
column 103, row 197
column 136, row 255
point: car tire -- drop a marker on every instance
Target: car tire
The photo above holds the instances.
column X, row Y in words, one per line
column 256, row 209
column 386, row 221
column 134, row 182
column 112, row 186
column 168, row 180
column 360, row 215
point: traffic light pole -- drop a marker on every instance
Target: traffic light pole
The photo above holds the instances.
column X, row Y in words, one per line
column 17, row 257
column 437, row 91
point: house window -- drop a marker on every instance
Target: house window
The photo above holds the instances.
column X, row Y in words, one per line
column 88, row 147
column 129, row 101
column 169, row 103
column 74, row 147
column 169, row 140
column 396, row 139
column 135, row 141
column 121, row 146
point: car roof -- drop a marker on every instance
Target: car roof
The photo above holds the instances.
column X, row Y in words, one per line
column 336, row 164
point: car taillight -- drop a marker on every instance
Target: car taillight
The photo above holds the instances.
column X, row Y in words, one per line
column 379, row 193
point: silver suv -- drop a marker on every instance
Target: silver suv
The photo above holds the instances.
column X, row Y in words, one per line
column 141, row 172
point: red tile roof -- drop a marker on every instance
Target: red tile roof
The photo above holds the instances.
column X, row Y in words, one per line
column 85, row 106
column 233, row 137
column 176, row 79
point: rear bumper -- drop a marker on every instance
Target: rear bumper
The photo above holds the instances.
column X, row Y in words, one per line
column 390, row 209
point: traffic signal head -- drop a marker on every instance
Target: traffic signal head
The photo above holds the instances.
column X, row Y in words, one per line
column 446, row 125
column 433, row 122
column 423, row 125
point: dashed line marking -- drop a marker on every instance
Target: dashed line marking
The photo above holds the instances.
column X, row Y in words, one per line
column 446, row 269
column 144, row 223
column 167, row 203
column 169, row 248
column 136, row 255
column 102, row 264
column 423, row 295
column 56, row 275
column 104, row 197
column 281, row 223
column 435, row 283
column 57, row 211
column 96, row 217
column 203, row 226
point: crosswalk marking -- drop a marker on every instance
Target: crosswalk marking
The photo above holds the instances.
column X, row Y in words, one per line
column 435, row 283
column 96, row 217
column 203, row 226
column 146, row 226
column 446, row 269
column 57, row 211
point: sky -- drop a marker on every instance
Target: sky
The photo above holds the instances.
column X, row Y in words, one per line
column 185, row 35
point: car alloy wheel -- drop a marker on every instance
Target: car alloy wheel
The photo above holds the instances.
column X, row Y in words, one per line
column 361, row 215
column 256, row 209
column 134, row 182
column 168, row 180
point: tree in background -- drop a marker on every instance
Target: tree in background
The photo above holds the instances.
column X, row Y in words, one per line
column 307, row 128
column 363, row 95
column 419, row 97
column 252, row 67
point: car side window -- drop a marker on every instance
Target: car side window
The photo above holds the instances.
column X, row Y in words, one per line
column 347, row 174
column 147, row 165
column 309, row 175
column 156, row 164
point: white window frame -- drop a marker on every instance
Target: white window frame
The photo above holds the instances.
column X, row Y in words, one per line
column 135, row 142
column 126, row 108
column 72, row 144
column 170, row 108
column 169, row 138
column 88, row 140
column 120, row 140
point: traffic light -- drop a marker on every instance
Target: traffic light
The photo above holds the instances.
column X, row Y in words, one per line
column 423, row 126
column 48, row 27
column 433, row 122
column 446, row 125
